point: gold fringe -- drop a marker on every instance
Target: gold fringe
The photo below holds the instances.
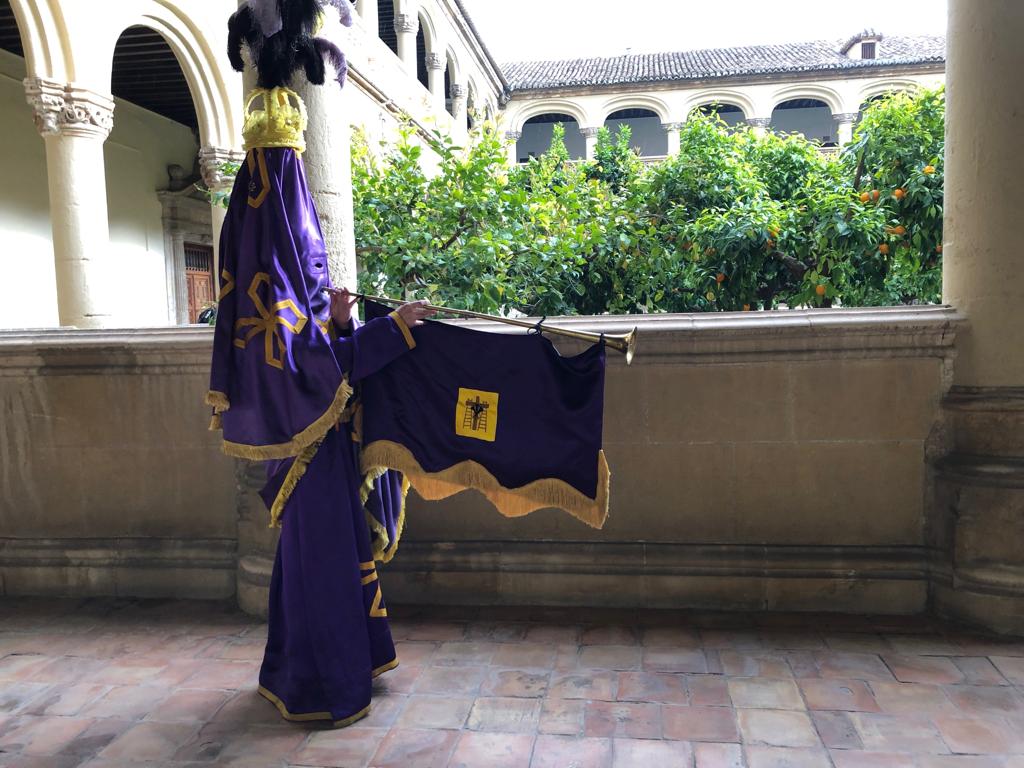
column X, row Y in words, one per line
column 218, row 401
column 511, row 502
column 215, row 422
column 311, row 434
column 291, row 480
column 384, row 549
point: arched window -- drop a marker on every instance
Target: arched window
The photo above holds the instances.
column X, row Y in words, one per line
column 386, row 24
column 811, row 117
column 646, row 134
column 421, row 55
column 536, row 138
column 729, row 113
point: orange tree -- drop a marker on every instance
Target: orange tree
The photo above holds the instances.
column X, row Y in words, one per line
column 734, row 221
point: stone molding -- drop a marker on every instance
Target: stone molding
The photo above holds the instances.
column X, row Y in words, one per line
column 67, row 109
column 123, row 566
column 434, row 61
column 210, row 161
column 701, row 337
column 406, row 22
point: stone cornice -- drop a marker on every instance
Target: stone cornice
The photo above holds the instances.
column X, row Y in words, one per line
column 65, row 108
column 710, row 338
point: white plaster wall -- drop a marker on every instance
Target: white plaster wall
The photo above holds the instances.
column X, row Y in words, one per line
column 136, row 154
column 26, row 246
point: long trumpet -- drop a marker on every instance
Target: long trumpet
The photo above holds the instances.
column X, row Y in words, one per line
column 625, row 343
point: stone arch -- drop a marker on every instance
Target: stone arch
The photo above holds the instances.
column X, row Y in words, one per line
column 725, row 97
column 536, row 107
column 45, row 38
column 883, row 87
column 828, row 96
column 809, row 116
column 637, row 101
column 429, row 30
column 216, row 110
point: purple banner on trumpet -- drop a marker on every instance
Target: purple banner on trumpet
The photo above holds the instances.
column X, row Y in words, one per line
column 504, row 414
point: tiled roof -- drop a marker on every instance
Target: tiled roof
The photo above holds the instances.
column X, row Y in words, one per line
column 819, row 56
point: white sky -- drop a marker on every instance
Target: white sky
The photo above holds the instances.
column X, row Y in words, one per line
column 522, row 30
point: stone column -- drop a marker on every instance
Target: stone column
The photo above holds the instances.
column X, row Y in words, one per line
column 759, row 124
column 672, row 133
column 979, row 506
column 513, row 137
column 590, row 137
column 367, row 10
column 328, row 164
column 844, row 126
column 459, row 105
column 216, row 179
column 74, row 123
column 435, row 78
column 177, row 285
column 406, row 25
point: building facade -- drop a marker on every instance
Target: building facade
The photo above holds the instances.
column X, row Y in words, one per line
column 118, row 124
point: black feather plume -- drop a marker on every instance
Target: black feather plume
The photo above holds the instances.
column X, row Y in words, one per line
column 294, row 47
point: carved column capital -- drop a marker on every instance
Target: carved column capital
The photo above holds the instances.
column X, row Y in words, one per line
column 513, row 135
column 434, row 61
column 846, row 117
column 458, row 91
column 758, row 122
column 590, row 132
column 211, row 160
column 65, row 108
column 406, row 22
column 671, row 126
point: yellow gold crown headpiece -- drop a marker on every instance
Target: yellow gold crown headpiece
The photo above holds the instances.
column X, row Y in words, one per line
column 281, row 122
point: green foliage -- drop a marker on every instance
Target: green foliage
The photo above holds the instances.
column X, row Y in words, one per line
column 734, row 221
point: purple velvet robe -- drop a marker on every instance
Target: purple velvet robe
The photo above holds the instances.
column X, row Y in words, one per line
column 328, row 634
column 279, row 382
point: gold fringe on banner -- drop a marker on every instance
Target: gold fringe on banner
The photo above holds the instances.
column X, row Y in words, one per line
column 383, row 548
column 511, row 502
column 291, row 480
column 218, row 401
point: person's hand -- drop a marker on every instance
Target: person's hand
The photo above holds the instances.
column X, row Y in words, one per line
column 413, row 313
column 341, row 308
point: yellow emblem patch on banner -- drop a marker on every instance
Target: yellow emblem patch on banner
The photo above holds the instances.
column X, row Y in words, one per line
column 476, row 414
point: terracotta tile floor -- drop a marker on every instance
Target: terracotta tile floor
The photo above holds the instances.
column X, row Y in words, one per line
column 105, row 683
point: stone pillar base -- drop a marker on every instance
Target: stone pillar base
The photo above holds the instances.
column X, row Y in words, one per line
column 980, row 510
column 253, row 584
column 257, row 543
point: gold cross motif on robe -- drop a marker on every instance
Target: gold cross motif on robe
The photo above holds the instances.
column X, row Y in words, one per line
column 268, row 322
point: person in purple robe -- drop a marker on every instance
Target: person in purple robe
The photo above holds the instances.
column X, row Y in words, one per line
column 286, row 356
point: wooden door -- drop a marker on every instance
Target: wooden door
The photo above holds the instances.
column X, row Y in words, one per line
column 198, row 278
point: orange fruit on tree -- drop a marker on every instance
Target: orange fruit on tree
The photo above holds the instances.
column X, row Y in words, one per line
column 746, row 307
column 938, row 248
column 773, row 231
column 875, row 194
column 864, row 197
column 899, row 193
column 900, row 230
column 819, row 289
column 928, row 169
column 720, row 278
column 883, row 249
